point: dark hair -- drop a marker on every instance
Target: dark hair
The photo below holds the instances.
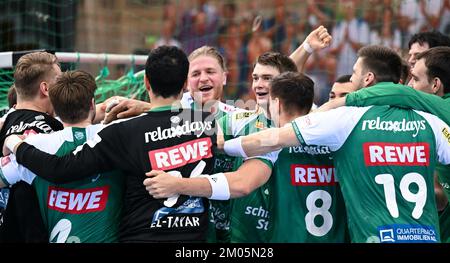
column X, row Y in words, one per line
column 382, row 61
column 71, row 95
column 277, row 60
column 166, row 70
column 433, row 38
column 405, row 72
column 437, row 61
column 343, row 79
column 294, row 90
column 12, row 96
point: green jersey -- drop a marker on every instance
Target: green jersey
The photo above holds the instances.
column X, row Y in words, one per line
column 219, row 211
column 85, row 211
column 250, row 216
column 407, row 97
column 308, row 206
column 384, row 159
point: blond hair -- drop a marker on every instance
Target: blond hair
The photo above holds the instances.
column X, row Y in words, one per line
column 208, row 51
column 31, row 70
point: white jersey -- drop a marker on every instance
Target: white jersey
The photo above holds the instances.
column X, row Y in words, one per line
column 384, row 159
column 50, row 143
column 333, row 127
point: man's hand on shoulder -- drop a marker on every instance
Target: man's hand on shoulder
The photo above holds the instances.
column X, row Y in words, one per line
column 125, row 108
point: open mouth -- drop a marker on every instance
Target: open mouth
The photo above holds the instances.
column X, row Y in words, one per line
column 205, row 88
column 261, row 94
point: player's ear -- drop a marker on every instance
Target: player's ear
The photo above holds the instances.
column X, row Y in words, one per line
column 224, row 78
column 43, row 87
column 436, row 85
column 93, row 104
column 369, row 79
column 147, row 83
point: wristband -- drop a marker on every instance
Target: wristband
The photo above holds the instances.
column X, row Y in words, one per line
column 233, row 147
column 307, row 47
column 219, row 186
column 12, row 141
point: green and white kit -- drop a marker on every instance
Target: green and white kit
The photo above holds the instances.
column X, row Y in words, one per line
column 85, row 211
column 384, row 159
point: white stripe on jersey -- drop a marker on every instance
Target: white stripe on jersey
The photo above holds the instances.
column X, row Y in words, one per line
column 49, row 143
column 442, row 135
column 330, row 128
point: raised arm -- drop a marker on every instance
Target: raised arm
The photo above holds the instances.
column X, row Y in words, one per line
column 315, row 41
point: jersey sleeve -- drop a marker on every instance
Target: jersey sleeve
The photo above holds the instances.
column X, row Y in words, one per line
column 400, row 96
column 224, row 125
column 45, row 142
column 12, row 172
column 269, row 158
column 330, row 128
column 98, row 155
column 442, row 134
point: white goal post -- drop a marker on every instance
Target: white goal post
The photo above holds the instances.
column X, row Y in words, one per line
column 9, row 59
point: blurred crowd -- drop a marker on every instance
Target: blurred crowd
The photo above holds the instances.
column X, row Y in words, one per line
column 243, row 30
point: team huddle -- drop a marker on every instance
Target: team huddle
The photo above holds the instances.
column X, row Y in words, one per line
column 366, row 167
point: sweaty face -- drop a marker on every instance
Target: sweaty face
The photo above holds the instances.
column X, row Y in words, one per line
column 340, row 90
column 358, row 75
column 419, row 78
column 415, row 49
column 262, row 76
column 206, row 79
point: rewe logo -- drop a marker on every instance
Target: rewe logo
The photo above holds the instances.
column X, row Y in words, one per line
column 180, row 155
column 394, row 126
column 312, row 175
column 81, row 201
column 402, row 154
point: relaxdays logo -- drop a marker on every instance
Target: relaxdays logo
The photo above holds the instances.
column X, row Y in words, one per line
column 394, row 126
column 196, row 127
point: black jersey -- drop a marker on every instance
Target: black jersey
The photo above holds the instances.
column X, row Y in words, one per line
column 20, row 218
column 179, row 140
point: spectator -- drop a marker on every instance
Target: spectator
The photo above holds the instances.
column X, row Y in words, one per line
column 349, row 36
